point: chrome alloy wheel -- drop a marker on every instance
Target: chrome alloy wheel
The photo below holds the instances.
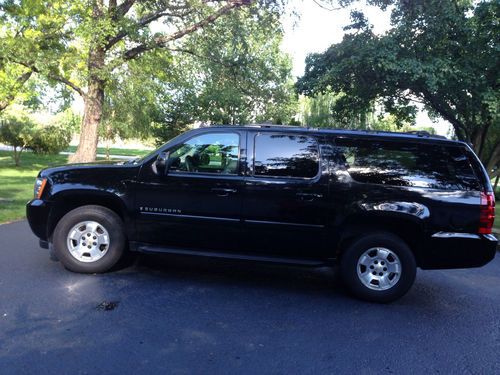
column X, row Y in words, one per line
column 379, row 268
column 88, row 241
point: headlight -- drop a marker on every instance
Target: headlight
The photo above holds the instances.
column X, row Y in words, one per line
column 39, row 186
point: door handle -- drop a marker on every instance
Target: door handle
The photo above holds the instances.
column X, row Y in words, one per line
column 223, row 192
column 308, row 196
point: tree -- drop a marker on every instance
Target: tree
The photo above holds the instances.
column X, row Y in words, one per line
column 443, row 54
column 245, row 76
column 235, row 72
column 82, row 44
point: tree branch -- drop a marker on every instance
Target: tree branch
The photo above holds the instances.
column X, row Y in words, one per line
column 20, row 81
column 112, row 6
column 195, row 54
column 144, row 21
column 447, row 113
column 122, row 9
column 494, row 158
column 161, row 41
column 54, row 76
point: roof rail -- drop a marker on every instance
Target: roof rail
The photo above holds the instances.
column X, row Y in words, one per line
column 270, row 125
column 418, row 133
column 424, row 133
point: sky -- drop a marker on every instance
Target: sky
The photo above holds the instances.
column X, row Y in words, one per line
column 314, row 29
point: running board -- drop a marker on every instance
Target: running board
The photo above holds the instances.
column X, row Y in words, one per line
column 234, row 256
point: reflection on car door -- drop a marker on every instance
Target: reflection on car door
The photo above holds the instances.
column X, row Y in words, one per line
column 284, row 207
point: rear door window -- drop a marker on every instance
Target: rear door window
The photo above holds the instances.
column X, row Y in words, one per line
column 406, row 164
column 285, row 155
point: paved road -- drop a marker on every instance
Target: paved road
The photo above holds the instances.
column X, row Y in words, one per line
column 205, row 317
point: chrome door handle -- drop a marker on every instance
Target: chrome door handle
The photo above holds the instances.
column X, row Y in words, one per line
column 308, row 196
column 223, row 192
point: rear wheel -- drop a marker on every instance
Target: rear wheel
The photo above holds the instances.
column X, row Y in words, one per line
column 89, row 239
column 379, row 267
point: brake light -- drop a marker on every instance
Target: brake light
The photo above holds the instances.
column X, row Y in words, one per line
column 487, row 213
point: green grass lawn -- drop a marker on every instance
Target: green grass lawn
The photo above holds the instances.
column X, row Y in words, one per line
column 16, row 183
column 116, row 151
column 496, row 225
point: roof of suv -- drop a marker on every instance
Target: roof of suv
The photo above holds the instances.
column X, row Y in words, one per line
column 420, row 135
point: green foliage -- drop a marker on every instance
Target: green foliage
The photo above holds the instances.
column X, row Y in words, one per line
column 19, row 130
column 233, row 73
column 92, row 47
column 246, row 77
column 50, row 139
column 441, row 53
column 16, row 130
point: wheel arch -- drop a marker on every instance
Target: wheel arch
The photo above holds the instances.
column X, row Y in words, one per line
column 408, row 229
column 64, row 202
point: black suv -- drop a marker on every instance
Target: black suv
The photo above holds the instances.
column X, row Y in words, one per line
column 379, row 204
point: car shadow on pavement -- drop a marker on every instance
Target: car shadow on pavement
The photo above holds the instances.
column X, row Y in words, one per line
column 240, row 273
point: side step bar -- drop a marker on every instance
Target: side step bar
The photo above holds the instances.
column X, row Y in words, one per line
column 150, row 249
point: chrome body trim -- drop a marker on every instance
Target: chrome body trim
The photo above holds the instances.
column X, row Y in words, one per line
column 456, row 235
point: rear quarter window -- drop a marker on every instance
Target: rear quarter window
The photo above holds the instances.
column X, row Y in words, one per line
column 412, row 164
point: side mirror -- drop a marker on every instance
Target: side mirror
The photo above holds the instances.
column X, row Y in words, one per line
column 161, row 163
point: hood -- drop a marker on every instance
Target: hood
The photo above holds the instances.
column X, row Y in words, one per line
column 96, row 165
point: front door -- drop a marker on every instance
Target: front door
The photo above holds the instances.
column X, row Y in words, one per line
column 284, row 207
column 197, row 204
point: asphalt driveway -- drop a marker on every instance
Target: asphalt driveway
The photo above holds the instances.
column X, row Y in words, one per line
column 178, row 316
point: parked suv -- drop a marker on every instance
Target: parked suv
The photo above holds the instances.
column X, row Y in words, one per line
column 379, row 204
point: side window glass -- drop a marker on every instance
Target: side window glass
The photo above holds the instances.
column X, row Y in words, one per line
column 285, row 155
column 406, row 164
column 207, row 153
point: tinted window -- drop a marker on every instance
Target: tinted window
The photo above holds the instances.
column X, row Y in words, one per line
column 283, row 155
column 407, row 164
column 207, row 153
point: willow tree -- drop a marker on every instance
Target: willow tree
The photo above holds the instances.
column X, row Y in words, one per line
column 82, row 44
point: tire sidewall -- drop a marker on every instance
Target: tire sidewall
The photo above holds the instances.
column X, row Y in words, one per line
column 349, row 264
column 103, row 216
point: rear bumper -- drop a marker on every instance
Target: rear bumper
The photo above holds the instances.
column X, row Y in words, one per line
column 37, row 212
column 458, row 250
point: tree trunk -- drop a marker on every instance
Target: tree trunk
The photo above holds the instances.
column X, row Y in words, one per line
column 17, row 157
column 87, row 147
column 93, row 99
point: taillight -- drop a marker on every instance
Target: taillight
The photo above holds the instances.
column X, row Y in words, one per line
column 487, row 213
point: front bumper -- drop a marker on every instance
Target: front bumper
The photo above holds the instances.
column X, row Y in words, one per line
column 458, row 250
column 37, row 212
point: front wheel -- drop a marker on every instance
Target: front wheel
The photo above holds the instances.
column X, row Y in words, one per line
column 89, row 239
column 379, row 267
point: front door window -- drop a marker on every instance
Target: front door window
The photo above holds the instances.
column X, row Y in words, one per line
column 207, row 153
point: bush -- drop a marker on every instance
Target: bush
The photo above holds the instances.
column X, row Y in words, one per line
column 17, row 131
column 51, row 139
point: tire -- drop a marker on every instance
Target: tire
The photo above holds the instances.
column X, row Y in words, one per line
column 94, row 228
column 379, row 267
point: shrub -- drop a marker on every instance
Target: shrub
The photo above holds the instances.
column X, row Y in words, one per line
column 50, row 139
column 17, row 130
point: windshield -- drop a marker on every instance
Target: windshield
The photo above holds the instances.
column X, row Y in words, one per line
column 140, row 160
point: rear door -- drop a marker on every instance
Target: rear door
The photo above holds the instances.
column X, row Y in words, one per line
column 286, row 189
